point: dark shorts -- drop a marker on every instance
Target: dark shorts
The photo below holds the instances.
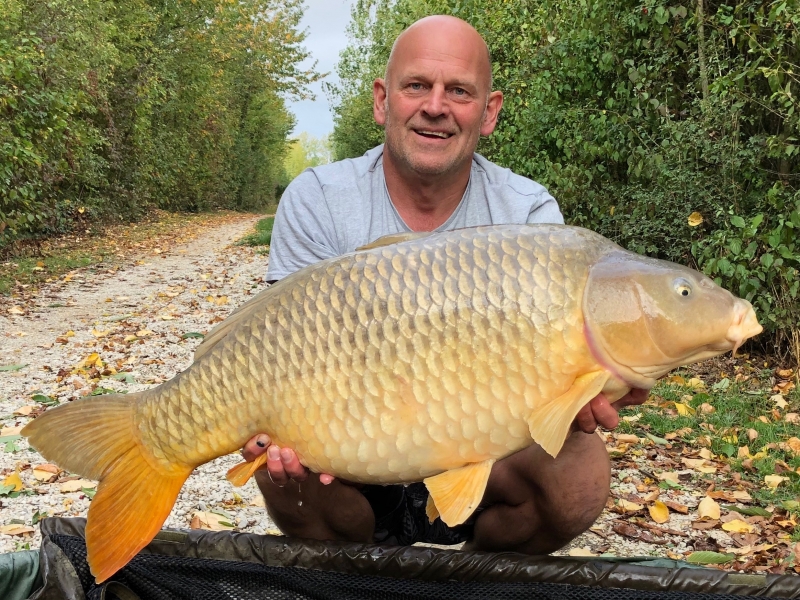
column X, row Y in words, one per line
column 400, row 517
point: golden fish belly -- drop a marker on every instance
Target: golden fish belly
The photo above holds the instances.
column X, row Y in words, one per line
column 395, row 363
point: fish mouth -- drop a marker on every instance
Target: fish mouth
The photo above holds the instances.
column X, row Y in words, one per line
column 745, row 325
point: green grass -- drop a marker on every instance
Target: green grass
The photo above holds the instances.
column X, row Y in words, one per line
column 737, row 408
column 25, row 270
column 262, row 236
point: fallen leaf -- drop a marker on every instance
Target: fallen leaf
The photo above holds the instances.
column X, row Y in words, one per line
column 143, row 333
column 706, row 453
column 76, row 485
column 743, row 452
column 792, row 418
column 738, row 526
column 693, row 463
column 779, row 401
column 100, row 334
column 45, row 473
column 774, row 481
column 669, row 476
column 695, row 219
column 209, row 520
column 627, row 438
column 696, row 383
column 706, row 408
column 684, row 410
column 14, row 479
column 784, row 373
column 258, row 500
column 10, row 430
column 16, row 529
column 708, row 509
column 659, row 512
column 794, row 444
column 709, row 558
column 678, row 508
column 16, row 310
column 581, row 552
column 628, row 506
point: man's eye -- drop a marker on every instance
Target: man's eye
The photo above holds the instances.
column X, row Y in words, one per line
column 415, row 86
column 459, row 91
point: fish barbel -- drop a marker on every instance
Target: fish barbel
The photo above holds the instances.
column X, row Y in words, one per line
column 419, row 357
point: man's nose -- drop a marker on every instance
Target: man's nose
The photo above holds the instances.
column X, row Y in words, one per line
column 435, row 102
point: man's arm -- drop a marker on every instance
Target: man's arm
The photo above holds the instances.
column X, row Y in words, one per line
column 303, row 233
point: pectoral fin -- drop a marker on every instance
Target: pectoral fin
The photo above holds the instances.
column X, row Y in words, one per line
column 549, row 425
column 241, row 473
column 455, row 494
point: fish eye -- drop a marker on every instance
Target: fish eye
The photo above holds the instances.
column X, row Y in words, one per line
column 683, row 287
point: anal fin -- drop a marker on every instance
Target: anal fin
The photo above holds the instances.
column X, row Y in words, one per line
column 430, row 510
column 456, row 494
column 549, row 424
column 241, row 473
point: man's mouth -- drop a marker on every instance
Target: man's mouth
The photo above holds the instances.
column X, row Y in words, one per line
column 442, row 135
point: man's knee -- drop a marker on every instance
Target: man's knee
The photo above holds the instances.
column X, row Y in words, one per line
column 541, row 503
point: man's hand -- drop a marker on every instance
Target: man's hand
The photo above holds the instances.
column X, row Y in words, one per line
column 600, row 412
column 282, row 464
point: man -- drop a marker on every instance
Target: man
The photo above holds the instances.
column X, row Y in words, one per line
column 434, row 102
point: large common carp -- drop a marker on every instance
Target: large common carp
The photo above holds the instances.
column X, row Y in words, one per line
column 419, row 357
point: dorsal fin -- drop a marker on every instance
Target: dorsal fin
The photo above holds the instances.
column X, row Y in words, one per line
column 395, row 238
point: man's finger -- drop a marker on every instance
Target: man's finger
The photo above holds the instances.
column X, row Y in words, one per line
column 275, row 468
column 292, row 466
column 256, row 446
column 585, row 420
column 604, row 413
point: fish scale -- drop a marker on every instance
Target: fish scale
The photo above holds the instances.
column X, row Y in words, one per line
column 419, row 357
column 428, row 350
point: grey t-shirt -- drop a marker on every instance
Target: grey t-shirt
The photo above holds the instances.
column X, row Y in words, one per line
column 333, row 209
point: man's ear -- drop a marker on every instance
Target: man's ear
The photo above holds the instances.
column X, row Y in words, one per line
column 379, row 101
column 493, row 107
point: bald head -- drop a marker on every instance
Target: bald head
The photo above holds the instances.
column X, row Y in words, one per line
column 452, row 37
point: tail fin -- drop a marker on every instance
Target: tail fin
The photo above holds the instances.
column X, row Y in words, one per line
column 97, row 438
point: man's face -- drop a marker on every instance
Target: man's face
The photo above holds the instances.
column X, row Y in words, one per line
column 435, row 103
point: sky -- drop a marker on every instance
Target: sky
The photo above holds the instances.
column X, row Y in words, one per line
column 326, row 23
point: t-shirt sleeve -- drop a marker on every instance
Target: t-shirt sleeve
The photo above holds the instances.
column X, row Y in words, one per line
column 545, row 210
column 303, row 232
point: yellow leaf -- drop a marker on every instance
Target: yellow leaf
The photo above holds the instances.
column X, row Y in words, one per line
column 209, row 298
column 15, row 529
column 774, row 481
column 708, row 509
column 742, row 496
column 696, row 383
column 45, row 472
column 209, row 520
column 82, row 210
column 794, row 444
column 16, row 310
column 10, row 430
column 100, row 334
column 143, row 333
column 779, row 400
column 131, row 338
column 744, row 452
column 14, row 480
column 738, row 526
column 707, row 469
column 706, row 453
column 23, row 411
column 693, row 463
column 628, row 506
column 669, row 476
column 684, row 410
column 695, row 219
column 659, row 512
column 627, row 438
column 586, row 551
column 76, row 485
column 222, row 300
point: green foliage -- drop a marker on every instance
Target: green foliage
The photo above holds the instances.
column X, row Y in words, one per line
column 635, row 115
column 262, row 236
column 108, row 110
column 306, row 151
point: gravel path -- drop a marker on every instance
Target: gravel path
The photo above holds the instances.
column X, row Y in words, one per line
column 121, row 328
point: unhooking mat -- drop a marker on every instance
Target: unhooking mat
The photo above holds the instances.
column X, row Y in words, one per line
column 201, row 565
